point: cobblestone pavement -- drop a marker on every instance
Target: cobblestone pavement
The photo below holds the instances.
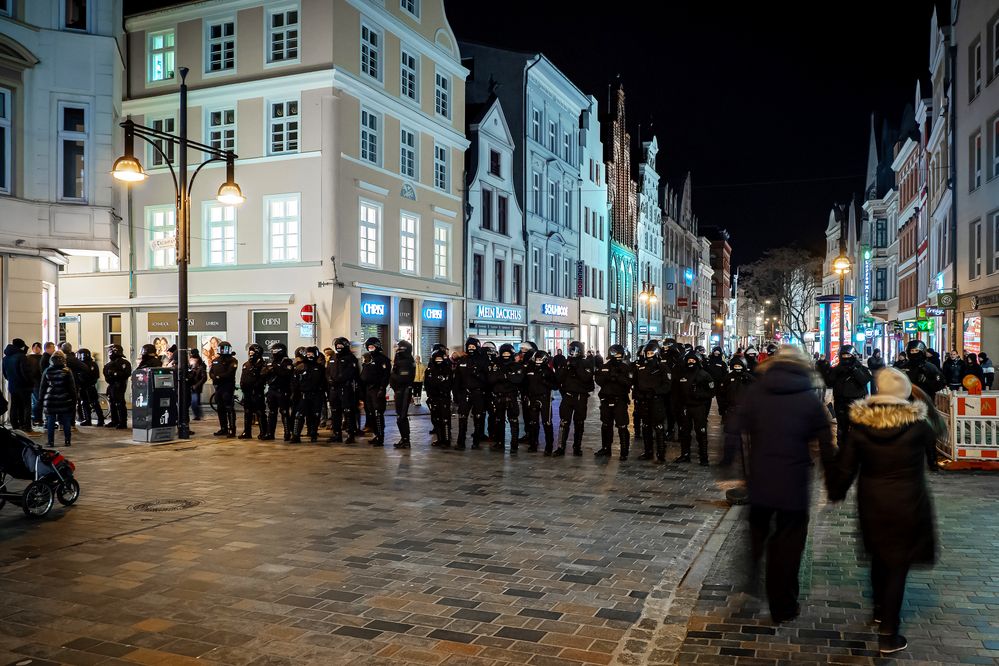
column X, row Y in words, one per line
column 313, row 554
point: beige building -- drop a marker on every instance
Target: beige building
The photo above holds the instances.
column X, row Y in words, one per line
column 348, row 120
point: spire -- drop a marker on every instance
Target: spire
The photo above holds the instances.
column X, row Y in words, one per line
column 851, row 233
column 872, row 163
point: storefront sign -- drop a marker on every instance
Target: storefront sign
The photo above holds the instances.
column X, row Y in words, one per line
column 947, row 300
column 165, row 322
column 405, row 311
column 499, row 313
column 924, row 325
column 580, row 277
column 688, row 276
column 268, row 340
column 935, row 312
column 268, row 322
column 909, row 326
column 434, row 313
column 554, row 310
column 375, row 309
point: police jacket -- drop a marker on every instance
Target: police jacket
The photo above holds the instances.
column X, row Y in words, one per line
column 505, row 376
column 696, row 386
column 117, row 371
column 375, row 374
column 343, row 369
column 925, row 375
column 471, row 372
column 403, row 371
column 849, row 380
column 92, row 374
column 735, row 384
column 277, row 375
column 576, row 376
column 79, row 370
column 539, row 379
column 249, row 379
column 717, row 368
column 223, row 371
column 310, row 377
column 437, row 380
column 197, row 376
column 651, row 376
column 153, row 361
column 614, row 378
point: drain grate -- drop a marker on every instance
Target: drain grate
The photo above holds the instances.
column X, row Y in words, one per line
column 159, row 505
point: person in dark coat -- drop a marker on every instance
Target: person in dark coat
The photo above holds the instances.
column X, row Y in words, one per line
column 59, row 398
column 875, row 362
column 87, row 386
column 148, row 358
column 558, row 360
column 575, row 383
column 718, row 369
column 470, row 388
column 277, row 375
column 506, row 375
column 954, row 371
column 972, row 368
column 309, row 382
column 987, row 369
column 375, row 374
column 223, row 376
column 401, row 379
column 781, row 416
column 19, row 384
column 848, row 381
column 651, row 383
column 437, row 380
column 539, row 380
column 342, row 374
column 933, row 356
column 614, row 378
column 890, row 447
column 117, row 372
column 34, row 360
column 695, row 388
column 197, row 377
column 251, row 383
column 920, row 371
column 733, row 389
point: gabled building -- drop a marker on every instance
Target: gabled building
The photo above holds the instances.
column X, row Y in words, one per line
column 722, row 322
column 650, row 244
column 594, row 235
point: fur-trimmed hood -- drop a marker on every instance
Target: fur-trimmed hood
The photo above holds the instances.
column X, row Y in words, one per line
column 881, row 416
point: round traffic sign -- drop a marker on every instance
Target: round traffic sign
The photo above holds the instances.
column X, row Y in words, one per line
column 308, row 314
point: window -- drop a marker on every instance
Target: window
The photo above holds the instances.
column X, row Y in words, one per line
column 601, row 236
column 160, row 52
column 975, row 251
column 536, row 268
column 501, row 215
column 552, row 282
column 536, row 125
column 567, row 147
column 995, row 147
column 75, row 14
column 499, row 273
column 477, row 276
column 487, row 209
column 408, row 225
column 371, row 52
column 442, row 249
column 407, row 153
column 220, row 46
column 161, row 221
column 5, row 136
column 112, row 324
column 222, row 129
column 552, row 201
column 536, row 192
column 5, row 7
column 156, row 158
column 994, row 232
column 72, row 152
column 975, row 84
column 600, row 295
column 220, row 234
column 409, row 85
column 440, row 167
column 567, row 276
column 284, row 127
column 369, row 136
column 516, row 284
column 976, row 161
column 881, row 232
column 282, row 35
column 495, row 162
column 442, row 95
column 284, row 227
column 586, row 219
column 411, row 7
column 880, row 284
column 995, row 48
column 369, row 234
column 567, row 207
column 552, row 131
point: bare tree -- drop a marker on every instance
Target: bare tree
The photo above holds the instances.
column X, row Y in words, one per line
column 790, row 278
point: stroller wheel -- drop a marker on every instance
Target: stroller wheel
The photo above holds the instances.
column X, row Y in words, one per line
column 68, row 492
column 38, row 499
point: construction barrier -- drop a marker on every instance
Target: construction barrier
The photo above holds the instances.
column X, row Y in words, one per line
column 973, row 426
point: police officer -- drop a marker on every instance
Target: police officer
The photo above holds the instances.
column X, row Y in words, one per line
column 651, row 381
column 309, row 381
column 88, row 389
column 526, row 351
column 752, row 358
column 148, row 358
column 117, row 372
column 223, row 376
column 575, row 383
column 489, row 347
column 673, row 355
column 252, row 384
column 277, row 375
column 729, row 394
column 375, row 374
column 342, row 374
column 437, row 381
column 506, row 375
column 848, row 380
column 401, row 380
column 920, row 370
column 471, row 384
column 539, row 380
column 614, row 378
column 696, row 390
column 718, row 369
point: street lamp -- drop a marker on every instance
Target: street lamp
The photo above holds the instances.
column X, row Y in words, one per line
column 841, row 266
column 128, row 169
column 647, row 296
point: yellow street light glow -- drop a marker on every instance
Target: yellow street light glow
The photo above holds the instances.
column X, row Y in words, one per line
column 127, row 169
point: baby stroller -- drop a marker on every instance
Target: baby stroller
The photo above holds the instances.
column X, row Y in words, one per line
column 49, row 473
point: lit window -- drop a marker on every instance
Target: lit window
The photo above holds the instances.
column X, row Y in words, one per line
column 222, row 129
column 220, row 235
column 72, row 153
column 220, row 45
column 408, row 76
column 407, row 153
column 369, row 136
column 995, row 243
column 442, row 243
column 371, row 52
column 156, row 159
column 5, row 132
column 442, row 97
column 408, row 224
column 161, row 56
column 369, row 233
column 284, row 127
column 282, row 35
column 440, row 167
column 161, row 221
column 284, row 227
column 75, row 14
column 976, row 161
column 412, row 7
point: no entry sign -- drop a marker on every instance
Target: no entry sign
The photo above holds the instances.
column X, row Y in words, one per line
column 308, row 314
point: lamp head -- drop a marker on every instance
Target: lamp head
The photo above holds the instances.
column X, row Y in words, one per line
column 127, row 169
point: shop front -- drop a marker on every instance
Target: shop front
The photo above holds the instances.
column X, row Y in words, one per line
column 433, row 327
column 269, row 327
column 979, row 321
column 205, row 331
column 497, row 323
column 593, row 331
column 553, row 324
column 376, row 318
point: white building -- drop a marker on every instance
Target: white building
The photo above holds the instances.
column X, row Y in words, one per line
column 60, row 85
column 650, row 243
column 594, row 235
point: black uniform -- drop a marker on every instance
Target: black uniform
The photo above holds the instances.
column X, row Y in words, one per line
column 437, row 382
column 539, row 380
column 342, row 374
column 673, row 355
column 117, row 372
column 277, row 375
column 718, row 369
column 651, row 382
column 575, row 383
column 848, row 380
column 223, row 376
column 920, row 371
column 375, row 375
column 471, row 386
column 309, row 384
column 401, row 380
column 729, row 396
column 506, row 375
column 252, row 383
column 88, row 389
column 695, row 389
column 614, row 378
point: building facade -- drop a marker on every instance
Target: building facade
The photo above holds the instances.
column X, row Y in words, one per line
column 348, row 119
column 60, row 89
column 650, row 244
column 722, row 320
column 594, row 235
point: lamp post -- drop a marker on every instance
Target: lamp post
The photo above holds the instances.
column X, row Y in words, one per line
column 647, row 296
column 128, row 169
column 841, row 266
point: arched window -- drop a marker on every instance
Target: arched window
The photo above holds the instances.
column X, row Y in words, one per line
column 613, row 331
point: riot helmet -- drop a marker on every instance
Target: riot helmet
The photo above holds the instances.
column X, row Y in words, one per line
column 439, row 356
column 225, row 349
column 848, row 353
column 403, row 347
column 312, row 354
column 254, row 352
column 577, row 348
column 651, row 349
column 373, row 344
column 83, row 354
column 341, row 344
column 691, row 360
column 472, row 345
column 506, row 351
column 540, row 357
column 115, row 351
column 148, row 350
column 616, row 351
column 279, row 351
column 916, row 349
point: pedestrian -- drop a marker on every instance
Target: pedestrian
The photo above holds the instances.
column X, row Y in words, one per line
column 223, row 376
column 87, row 387
column 539, row 380
column 277, row 375
column 251, row 383
column 149, row 357
column 34, row 360
column 651, row 386
column 421, row 368
column 506, row 375
column 934, row 357
column 117, row 372
column 43, row 364
column 375, row 374
column 575, row 383
column 752, row 358
column 59, row 396
column 954, row 370
column 614, row 378
column 558, row 360
column 781, row 416
column 401, row 380
column 342, row 374
column 197, row 377
column 439, row 378
column 848, row 380
column 470, row 384
column 889, row 448
column 695, row 388
column 920, row 371
column 987, row 369
column 19, row 384
column 972, row 368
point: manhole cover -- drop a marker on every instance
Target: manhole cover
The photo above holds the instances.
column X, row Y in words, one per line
column 165, row 505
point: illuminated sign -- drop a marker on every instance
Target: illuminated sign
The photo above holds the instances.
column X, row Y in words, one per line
column 554, row 310
column 909, row 326
column 935, row 312
column 688, row 276
column 499, row 313
column 373, row 309
column 434, row 314
column 924, row 325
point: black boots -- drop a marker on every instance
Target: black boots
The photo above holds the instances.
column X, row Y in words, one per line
column 625, row 442
column 660, row 445
column 606, row 439
column 646, row 443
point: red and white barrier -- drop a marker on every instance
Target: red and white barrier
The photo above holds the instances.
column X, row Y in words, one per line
column 973, row 426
